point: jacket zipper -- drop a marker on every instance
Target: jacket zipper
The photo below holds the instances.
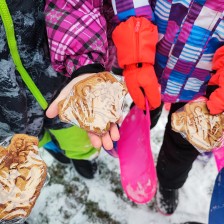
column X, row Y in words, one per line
column 137, row 28
column 10, row 35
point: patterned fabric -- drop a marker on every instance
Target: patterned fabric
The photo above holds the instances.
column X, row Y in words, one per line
column 190, row 32
column 123, row 9
column 77, row 33
column 19, row 110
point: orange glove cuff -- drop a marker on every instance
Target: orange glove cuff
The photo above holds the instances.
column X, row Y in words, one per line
column 135, row 40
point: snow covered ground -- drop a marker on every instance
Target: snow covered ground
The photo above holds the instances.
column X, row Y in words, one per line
column 70, row 199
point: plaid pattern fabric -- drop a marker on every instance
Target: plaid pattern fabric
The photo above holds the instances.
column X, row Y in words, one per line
column 123, row 9
column 76, row 33
column 190, row 32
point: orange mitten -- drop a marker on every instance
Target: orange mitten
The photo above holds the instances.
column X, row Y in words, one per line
column 135, row 40
column 215, row 103
column 143, row 78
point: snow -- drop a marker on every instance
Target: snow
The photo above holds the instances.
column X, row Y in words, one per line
column 68, row 198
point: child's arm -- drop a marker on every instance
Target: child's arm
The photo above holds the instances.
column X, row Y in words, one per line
column 135, row 39
column 78, row 44
column 216, row 100
column 77, row 36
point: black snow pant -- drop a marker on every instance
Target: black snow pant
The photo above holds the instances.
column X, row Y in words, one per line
column 176, row 156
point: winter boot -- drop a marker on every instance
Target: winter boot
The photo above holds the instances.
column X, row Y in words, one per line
column 167, row 200
column 57, row 153
column 86, row 168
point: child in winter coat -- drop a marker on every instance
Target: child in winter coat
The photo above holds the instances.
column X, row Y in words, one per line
column 79, row 34
column 189, row 34
column 24, row 63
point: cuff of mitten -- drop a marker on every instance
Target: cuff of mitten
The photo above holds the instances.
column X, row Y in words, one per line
column 210, row 89
column 137, row 65
column 135, row 40
column 91, row 68
column 117, row 71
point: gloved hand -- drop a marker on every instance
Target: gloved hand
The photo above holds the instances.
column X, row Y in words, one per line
column 142, row 81
column 135, row 40
column 215, row 102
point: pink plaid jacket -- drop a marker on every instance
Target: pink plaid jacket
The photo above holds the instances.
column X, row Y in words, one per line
column 79, row 33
